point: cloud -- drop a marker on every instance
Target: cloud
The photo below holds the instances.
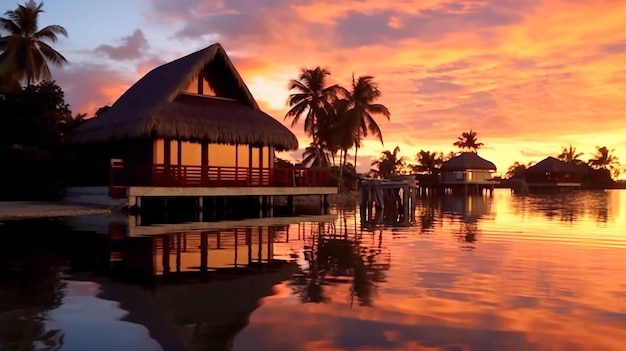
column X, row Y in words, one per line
column 88, row 87
column 515, row 70
column 436, row 85
column 614, row 48
column 131, row 47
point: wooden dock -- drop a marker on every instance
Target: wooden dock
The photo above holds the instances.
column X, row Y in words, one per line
column 388, row 199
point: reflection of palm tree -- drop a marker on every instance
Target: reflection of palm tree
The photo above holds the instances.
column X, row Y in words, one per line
column 24, row 53
column 469, row 141
column 427, row 218
column 468, row 232
column 333, row 255
column 27, row 296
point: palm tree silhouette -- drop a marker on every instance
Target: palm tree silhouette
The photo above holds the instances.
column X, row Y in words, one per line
column 429, row 162
column 364, row 91
column 24, row 52
column 313, row 98
column 315, row 156
column 569, row 154
column 469, row 141
column 388, row 164
column 604, row 159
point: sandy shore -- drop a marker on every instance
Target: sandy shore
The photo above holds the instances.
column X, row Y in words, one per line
column 12, row 210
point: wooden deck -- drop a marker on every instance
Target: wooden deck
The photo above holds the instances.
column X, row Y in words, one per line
column 208, row 180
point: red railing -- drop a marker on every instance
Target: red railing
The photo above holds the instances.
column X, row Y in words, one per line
column 127, row 174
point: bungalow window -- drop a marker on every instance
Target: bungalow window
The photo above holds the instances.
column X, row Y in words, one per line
column 459, row 175
column 469, row 175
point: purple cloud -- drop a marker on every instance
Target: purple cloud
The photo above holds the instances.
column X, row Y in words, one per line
column 131, row 47
column 437, row 85
column 614, row 48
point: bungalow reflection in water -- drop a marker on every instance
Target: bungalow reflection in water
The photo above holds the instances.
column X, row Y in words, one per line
column 192, row 251
column 206, row 283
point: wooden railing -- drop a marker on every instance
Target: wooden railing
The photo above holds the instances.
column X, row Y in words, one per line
column 128, row 174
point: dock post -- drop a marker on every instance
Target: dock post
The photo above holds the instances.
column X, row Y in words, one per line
column 325, row 204
column 260, row 206
column 291, row 205
column 214, row 207
column 405, row 203
column 165, row 208
column 260, row 248
column 204, row 252
column 270, row 205
column 363, row 208
column 137, row 220
column 249, row 243
column 165, row 242
column 200, row 208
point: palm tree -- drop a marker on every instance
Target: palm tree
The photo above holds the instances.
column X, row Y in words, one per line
column 315, row 156
column 388, row 164
column 24, row 53
column 312, row 98
column 469, row 141
column 429, row 162
column 449, row 156
column 569, row 154
column 364, row 91
column 605, row 159
column 516, row 170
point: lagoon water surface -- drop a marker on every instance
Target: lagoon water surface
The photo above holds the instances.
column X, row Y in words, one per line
column 467, row 273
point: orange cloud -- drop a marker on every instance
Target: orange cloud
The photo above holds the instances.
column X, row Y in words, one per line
column 528, row 75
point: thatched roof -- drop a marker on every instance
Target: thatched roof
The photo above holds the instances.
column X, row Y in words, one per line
column 157, row 107
column 552, row 165
column 467, row 160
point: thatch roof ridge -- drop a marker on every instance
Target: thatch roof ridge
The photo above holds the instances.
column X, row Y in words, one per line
column 552, row 164
column 138, row 113
column 467, row 160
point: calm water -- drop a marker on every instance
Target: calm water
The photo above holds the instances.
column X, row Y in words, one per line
column 469, row 273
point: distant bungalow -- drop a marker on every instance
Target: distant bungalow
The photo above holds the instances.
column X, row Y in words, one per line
column 552, row 175
column 467, row 173
column 189, row 128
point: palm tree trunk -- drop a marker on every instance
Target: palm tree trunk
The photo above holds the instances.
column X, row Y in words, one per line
column 340, row 185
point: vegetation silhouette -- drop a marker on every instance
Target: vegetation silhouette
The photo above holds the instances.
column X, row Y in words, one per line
column 569, row 154
column 337, row 118
column 24, row 51
column 468, row 141
column 336, row 257
column 389, row 163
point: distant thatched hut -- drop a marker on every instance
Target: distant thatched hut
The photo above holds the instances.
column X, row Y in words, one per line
column 467, row 173
column 551, row 174
column 186, row 123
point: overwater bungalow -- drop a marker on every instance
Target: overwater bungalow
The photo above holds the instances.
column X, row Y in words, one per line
column 467, row 173
column 552, row 175
column 188, row 128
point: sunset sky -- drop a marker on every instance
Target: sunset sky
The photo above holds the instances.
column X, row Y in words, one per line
column 530, row 76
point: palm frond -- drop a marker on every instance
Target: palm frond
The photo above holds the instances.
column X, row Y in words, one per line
column 296, row 111
column 299, row 86
column 9, row 26
column 50, row 33
column 51, row 55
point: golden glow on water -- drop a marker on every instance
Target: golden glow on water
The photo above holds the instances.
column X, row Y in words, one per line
column 501, row 273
